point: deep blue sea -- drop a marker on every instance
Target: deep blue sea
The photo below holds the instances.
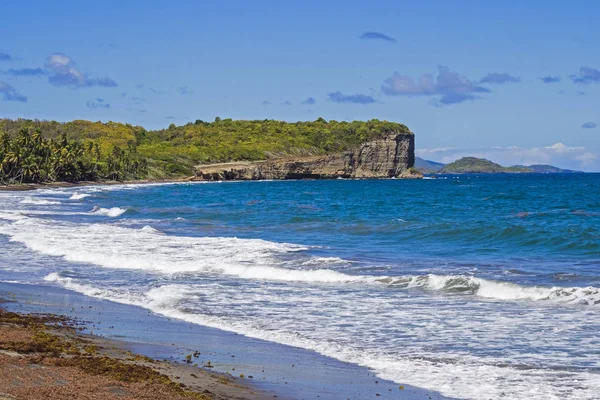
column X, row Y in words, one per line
column 474, row 286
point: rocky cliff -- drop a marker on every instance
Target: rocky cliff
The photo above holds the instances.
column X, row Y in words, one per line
column 390, row 156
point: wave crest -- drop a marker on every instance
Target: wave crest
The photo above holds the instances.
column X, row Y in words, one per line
column 38, row 202
column 497, row 290
column 109, row 212
column 79, row 196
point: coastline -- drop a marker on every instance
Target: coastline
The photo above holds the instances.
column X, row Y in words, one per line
column 45, row 356
column 34, row 186
column 269, row 369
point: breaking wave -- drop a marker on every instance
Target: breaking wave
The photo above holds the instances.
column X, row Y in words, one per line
column 497, row 290
column 148, row 249
column 109, row 212
column 38, row 202
column 79, row 196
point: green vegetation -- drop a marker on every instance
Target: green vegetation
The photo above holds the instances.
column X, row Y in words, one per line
column 468, row 165
column 473, row 165
column 122, row 151
column 549, row 169
column 28, row 157
column 482, row 166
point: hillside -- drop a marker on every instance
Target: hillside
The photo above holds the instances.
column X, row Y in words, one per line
column 175, row 151
column 475, row 165
column 550, row 169
column 467, row 165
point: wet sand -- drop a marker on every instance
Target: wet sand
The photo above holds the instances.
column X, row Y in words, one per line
column 269, row 369
column 45, row 357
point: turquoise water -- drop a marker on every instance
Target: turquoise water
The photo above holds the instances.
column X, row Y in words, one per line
column 473, row 286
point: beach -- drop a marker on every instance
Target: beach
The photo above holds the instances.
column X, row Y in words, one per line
column 223, row 365
column 47, row 357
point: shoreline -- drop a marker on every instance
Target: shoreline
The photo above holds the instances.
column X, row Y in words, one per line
column 45, row 356
column 23, row 187
column 269, row 369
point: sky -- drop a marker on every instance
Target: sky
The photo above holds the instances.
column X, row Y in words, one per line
column 515, row 82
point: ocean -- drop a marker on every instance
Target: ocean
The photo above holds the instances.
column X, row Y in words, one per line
column 474, row 286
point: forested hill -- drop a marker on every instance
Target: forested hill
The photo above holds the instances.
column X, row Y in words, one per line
column 470, row 165
column 122, row 151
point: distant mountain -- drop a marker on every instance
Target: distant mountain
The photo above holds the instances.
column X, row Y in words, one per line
column 550, row 169
column 426, row 166
column 468, row 165
column 473, row 165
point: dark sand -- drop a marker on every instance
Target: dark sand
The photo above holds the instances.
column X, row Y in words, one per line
column 269, row 369
column 40, row 360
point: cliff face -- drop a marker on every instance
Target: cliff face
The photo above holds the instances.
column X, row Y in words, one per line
column 387, row 157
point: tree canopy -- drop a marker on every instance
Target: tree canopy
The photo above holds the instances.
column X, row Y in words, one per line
column 176, row 150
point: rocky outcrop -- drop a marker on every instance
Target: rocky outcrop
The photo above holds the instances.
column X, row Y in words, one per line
column 391, row 156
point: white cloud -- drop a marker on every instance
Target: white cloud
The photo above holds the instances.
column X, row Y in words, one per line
column 64, row 72
column 558, row 154
column 453, row 87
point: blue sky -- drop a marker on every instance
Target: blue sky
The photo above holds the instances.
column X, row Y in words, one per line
column 518, row 82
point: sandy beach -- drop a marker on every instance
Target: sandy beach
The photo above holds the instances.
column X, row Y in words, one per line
column 229, row 366
column 45, row 357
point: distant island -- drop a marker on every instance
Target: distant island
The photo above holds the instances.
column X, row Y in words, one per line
column 474, row 165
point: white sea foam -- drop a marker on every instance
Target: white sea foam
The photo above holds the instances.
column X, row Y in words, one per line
column 453, row 374
column 79, row 196
column 109, row 212
column 498, row 290
column 11, row 216
column 119, row 247
column 149, row 229
column 38, row 202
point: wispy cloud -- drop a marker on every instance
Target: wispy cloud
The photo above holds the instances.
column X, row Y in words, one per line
column 586, row 75
column 9, row 93
column 185, row 90
column 452, row 87
column 5, row 56
column 30, row 72
column 156, row 91
column 377, row 36
column 287, row 103
column 99, row 103
column 338, row 97
column 589, row 125
column 266, row 103
column 170, row 117
column 550, row 79
column 309, row 101
column 499, row 78
column 137, row 100
column 559, row 154
column 63, row 71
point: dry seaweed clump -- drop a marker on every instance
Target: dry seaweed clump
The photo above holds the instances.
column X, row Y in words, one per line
column 43, row 343
column 125, row 372
column 25, row 320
